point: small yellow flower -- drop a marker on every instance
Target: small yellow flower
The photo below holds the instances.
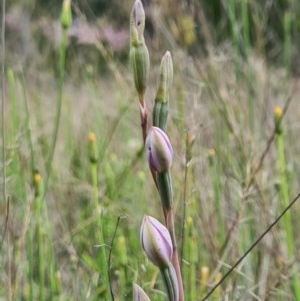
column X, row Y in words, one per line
column 277, row 119
column 211, row 152
column 92, row 137
column 277, row 112
column 37, row 177
column 204, row 275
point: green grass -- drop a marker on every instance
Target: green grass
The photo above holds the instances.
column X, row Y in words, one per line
column 56, row 244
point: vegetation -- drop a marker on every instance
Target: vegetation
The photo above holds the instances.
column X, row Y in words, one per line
column 75, row 181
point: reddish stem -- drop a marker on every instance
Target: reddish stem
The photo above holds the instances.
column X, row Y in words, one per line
column 144, row 126
column 144, row 119
column 169, row 218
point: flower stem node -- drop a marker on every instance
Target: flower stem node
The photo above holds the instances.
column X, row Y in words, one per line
column 156, row 242
column 139, row 294
column 159, row 151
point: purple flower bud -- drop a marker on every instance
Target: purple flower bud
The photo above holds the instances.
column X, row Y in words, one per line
column 137, row 17
column 139, row 294
column 159, row 150
column 156, row 242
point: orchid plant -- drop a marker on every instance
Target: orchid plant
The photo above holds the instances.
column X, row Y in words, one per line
column 157, row 240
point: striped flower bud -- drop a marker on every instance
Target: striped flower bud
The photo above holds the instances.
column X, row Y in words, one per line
column 139, row 55
column 140, row 62
column 161, row 106
column 159, row 151
column 137, row 22
column 139, row 294
column 156, row 242
column 165, row 78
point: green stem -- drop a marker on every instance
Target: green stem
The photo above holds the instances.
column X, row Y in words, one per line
column 62, row 57
column 30, row 265
column 40, row 255
column 169, row 218
column 102, row 256
column 215, row 174
column 165, row 189
column 287, row 219
column 170, row 282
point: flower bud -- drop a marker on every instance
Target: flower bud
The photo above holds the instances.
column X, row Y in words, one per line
column 139, row 55
column 137, row 23
column 277, row 119
column 159, row 151
column 156, row 242
column 139, row 294
column 161, row 106
column 38, row 183
column 92, row 148
column 165, row 78
column 66, row 15
column 140, row 62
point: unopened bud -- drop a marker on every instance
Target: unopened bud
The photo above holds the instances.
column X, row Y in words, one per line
column 165, row 78
column 66, row 14
column 139, row 55
column 211, row 155
column 137, row 23
column 37, row 182
column 140, row 62
column 204, row 275
column 161, row 106
column 277, row 119
column 92, row 148
column 121, row 249
column 156, row 242
column 159, row 151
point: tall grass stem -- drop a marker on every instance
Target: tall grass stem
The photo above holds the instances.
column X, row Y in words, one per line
column 287, row 219
column 61, row 73
column 99, row 230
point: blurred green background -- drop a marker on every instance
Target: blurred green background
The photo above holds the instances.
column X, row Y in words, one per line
column 269, row 28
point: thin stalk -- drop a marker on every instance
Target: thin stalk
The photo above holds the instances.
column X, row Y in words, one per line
column 245, row 25
column 287, row 39
column 190, row 275
column 4, row 195
column 100, row 237
column 231, row 10
column 38, row 209
column 30, row 265
column 123, row 262
column 28, row 131
column 215, row 175
column 188, row 159
column 287, row 219
column 61, row 73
